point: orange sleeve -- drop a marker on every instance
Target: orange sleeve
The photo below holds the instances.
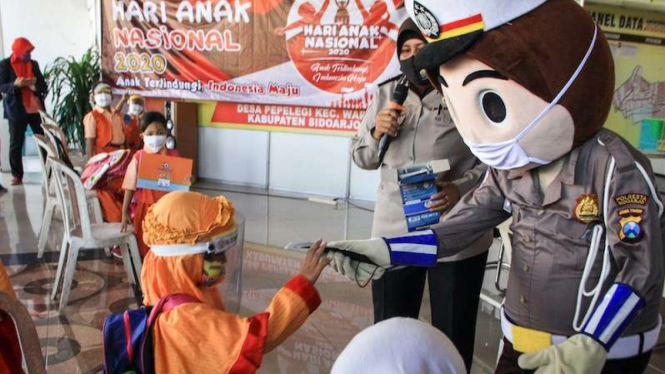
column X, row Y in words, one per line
column 131, row 176
column 289, row 309
column 89, row 126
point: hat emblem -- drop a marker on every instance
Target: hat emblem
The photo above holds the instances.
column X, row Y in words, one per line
column 426, row 21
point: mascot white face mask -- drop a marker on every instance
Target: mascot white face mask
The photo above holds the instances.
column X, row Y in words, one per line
column 496, row 115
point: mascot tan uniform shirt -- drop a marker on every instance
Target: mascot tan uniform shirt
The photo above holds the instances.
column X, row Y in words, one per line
column 427, row 134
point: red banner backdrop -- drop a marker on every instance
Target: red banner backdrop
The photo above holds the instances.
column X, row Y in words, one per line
column 310, row 53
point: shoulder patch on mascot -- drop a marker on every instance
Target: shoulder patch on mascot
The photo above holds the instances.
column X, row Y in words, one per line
column 586, row 209
column 631, row 225
column 631, row 198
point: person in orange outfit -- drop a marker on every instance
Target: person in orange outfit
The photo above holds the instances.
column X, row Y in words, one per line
column 188, row 234
column 104, row 132
column 131, row 121
column 153, row 136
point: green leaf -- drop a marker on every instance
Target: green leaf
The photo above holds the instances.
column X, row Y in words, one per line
column 70, row 82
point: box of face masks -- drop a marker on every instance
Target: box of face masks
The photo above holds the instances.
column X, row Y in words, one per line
column 417, row 184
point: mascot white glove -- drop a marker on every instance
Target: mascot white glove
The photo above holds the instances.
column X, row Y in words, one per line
column 580, row 354
column 355, row 270
column 413, row 249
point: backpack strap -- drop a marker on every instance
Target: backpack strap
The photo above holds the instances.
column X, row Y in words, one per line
column 164, row 304
column 167, row 303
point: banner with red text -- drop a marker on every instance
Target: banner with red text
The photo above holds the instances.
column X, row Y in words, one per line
column 315, row 53
column 279, row 117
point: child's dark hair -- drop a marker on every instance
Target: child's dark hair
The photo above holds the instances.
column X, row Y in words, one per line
column 151, row 117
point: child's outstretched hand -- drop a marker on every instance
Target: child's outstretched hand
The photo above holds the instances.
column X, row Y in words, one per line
column 315, row 261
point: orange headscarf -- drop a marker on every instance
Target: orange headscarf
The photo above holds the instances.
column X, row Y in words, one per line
column 22, row 69
column 182, row 218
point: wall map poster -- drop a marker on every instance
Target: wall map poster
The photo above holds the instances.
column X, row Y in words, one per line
column 637, row 39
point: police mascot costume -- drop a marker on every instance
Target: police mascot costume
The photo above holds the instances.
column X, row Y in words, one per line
column 529, row 84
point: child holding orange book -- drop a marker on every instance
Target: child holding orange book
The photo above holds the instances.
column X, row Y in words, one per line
column 154, row 133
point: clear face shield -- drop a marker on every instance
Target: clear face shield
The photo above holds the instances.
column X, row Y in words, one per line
column 231, row 287
column 222, row 261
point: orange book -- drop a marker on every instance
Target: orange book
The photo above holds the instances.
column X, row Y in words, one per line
column 164, row 173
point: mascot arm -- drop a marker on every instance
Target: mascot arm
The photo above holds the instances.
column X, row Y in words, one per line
column 471, row 178
column 476, row 213
column 635, row 239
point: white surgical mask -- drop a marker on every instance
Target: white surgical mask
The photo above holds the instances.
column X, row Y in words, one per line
column 103, row 100
column 155, row 142
column 510, row 154
column 135, row 109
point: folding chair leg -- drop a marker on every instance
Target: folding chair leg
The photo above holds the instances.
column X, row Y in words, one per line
column 127, row 262
column 61, row 265
column 69, row 276
column 136, row 258
column 44, row 230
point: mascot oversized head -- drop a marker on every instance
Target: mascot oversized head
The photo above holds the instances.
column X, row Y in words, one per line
column 526, row 81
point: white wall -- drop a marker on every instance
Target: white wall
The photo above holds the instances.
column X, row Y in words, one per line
column 233, row 156
column 301, row 163
column 312, row 164
column 55, row 27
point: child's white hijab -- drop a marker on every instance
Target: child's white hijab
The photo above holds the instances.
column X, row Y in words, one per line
column 400, row 346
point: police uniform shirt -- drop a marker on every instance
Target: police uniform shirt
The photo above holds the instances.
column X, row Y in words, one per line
column 427, row 133
column 552, row 233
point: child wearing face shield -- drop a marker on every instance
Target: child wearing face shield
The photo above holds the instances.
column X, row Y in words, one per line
column 131, row 120
column 153, row 135
column 104, row 133
column 103, row 124
column 189, row 235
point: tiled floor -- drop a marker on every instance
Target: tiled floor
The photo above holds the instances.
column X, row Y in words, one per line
column 71, row 341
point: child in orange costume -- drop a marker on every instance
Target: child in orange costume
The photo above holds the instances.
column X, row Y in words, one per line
column 104, row 133
column 153, row 133
column 188, row 233
column 132, row 120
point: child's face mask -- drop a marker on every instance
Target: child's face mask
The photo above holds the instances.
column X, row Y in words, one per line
column 103, row 100
column 213, row 269
column 154, row 142
column 135, row 108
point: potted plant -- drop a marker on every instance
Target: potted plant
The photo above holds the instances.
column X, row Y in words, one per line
column 70, row 82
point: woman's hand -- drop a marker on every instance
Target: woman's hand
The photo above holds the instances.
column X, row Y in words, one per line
column 386, row 123
column 446, row 198
column 315, row 261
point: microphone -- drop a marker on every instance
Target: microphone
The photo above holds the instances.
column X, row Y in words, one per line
column 398, row 98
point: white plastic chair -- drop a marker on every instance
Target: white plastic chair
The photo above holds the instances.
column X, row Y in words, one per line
column 31, row 352
column 51, row 198
column 84, row 235
column 53, row 130
column 46, row 118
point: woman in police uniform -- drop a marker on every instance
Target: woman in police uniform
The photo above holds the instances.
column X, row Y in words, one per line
column 423, row 132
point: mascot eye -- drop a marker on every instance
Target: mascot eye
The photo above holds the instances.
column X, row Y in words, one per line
column 493, row 106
